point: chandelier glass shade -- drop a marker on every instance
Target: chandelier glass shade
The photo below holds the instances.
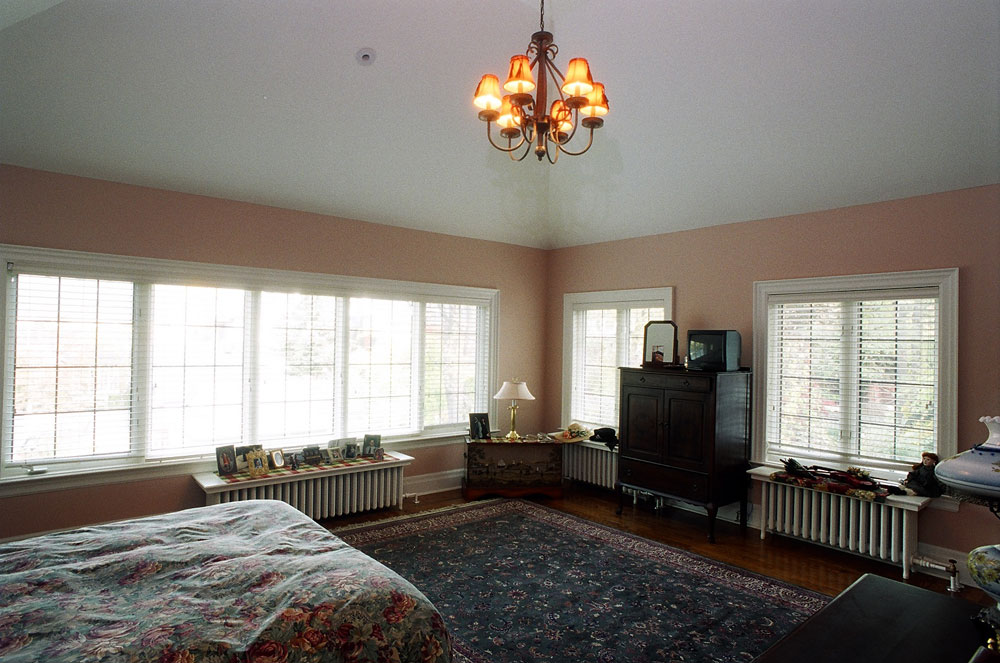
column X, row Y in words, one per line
column 521, row 110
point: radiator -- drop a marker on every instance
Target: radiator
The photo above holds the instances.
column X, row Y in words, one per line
column 322, row 493
column 590, row 462
column 885, row 531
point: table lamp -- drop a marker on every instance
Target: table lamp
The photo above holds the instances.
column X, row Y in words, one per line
column 514, row 390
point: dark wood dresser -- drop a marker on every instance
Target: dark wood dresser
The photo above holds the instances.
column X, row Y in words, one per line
column 685, row 435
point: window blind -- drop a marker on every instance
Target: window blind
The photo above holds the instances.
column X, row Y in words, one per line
column 853, row 377
column 110, row 362
column 69, row 369
column 603, row 340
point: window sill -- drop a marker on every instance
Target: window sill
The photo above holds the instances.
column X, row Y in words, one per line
column 67, row 479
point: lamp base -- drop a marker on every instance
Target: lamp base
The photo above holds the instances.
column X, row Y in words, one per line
column 512, row 436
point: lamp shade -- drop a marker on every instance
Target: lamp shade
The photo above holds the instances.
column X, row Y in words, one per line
column 597, row 102
column 488, row 93
column 509, row 117
column 519, row 80
column 578, row 82
column 562, row 117
column 514, row 390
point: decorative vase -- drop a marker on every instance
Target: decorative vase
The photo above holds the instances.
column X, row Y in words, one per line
column 984, row 565
column 975, row 475
column 975, row 471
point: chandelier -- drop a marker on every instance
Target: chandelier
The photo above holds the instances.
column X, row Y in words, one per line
column 527, row 120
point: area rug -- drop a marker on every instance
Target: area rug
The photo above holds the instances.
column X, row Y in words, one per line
column 517, row 581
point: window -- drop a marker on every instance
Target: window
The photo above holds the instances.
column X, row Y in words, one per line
column 114, row 362
column 856, row 370
column 603, row 331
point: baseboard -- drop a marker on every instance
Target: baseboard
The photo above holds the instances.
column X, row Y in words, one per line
column 433, row 482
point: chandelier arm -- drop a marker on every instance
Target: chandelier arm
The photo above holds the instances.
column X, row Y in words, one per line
column 561, row 79
column 557, row 149
column 489, row 136
column 569, row 137
column 576, row 154
column 527, row 149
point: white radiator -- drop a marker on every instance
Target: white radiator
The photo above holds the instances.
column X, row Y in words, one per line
column 885, row 531
column 590, row 462
column 322, row 493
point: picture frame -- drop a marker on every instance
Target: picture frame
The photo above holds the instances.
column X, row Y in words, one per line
column 479, row 425
column 241, row 454
column 341, row 442
column 275, row 459
column 312, row 455
column 350, row 450
column 256, row 463
column 336, row 453
column 225, row 459
column 380, row 454
column 372, row 442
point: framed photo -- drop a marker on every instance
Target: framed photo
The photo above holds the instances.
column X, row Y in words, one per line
column 257, row 463
column 336, row 453
column 479, row 425
column 372, row 442
column 380, row 454
column 225, row 458
column 351, row 450
column 275, row 459
column 241, row 455
column 341, row 442
column 312, row 455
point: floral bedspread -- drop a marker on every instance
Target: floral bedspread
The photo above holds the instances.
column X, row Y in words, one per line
column 246, row 582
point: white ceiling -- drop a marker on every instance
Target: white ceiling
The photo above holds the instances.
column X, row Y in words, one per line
column 721, row 111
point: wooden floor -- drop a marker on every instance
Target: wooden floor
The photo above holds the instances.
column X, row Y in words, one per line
column 806, row 565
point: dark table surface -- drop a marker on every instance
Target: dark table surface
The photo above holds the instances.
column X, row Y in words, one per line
column 877, row 619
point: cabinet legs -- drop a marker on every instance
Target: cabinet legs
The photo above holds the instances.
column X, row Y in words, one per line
column 712, row 511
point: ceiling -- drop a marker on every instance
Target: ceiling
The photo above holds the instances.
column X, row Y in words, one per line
column 721, row 111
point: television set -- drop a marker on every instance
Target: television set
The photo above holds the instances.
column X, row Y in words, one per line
column 713, row 350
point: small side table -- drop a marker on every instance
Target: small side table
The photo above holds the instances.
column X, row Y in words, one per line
column 512, row 469
column 877, row 619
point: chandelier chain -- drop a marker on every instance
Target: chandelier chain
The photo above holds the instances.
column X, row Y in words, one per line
column 541, row 18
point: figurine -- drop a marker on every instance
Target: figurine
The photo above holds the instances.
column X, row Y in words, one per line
column 921, row 479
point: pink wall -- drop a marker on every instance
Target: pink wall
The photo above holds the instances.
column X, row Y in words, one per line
column 63, row 212
column 713, row 269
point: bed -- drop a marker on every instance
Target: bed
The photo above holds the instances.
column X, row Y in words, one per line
column 254, row 582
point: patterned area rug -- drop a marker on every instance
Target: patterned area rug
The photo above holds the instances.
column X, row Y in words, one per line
column 516, row 581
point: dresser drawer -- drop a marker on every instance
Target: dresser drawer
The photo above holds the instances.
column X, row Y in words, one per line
column 667, row 380
column 667, row 480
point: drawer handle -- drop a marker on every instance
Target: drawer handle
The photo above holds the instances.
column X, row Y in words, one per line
column 687, row 383
column 642, row 379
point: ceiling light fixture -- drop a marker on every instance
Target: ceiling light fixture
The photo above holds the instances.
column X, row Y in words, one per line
column 525, row 120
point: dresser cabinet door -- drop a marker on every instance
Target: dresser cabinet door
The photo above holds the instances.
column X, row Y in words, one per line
column 686, row 445
column 642, row 423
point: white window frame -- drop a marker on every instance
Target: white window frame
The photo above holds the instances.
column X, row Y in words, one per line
column 946, row 283
column 153, row 270
column 603, row 299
